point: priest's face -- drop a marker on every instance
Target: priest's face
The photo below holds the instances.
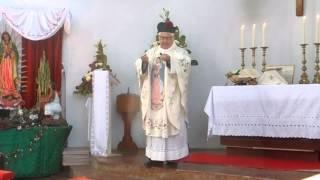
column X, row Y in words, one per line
column 166, row 39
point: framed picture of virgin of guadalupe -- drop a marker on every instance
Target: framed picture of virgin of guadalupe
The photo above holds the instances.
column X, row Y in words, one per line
column 9, row 73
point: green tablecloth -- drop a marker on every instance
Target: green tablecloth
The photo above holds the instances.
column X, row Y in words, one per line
column 34, row 152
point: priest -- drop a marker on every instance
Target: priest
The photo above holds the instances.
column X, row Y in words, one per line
column 163, row 73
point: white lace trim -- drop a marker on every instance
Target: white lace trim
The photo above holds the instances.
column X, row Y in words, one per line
column 100, row 121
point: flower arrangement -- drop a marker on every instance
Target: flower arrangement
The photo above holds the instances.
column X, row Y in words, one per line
column 24, row 118
column 85, row 88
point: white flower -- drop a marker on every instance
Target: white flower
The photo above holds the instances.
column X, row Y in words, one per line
column 99, row 64
column 88, row 78
column 20, row 112
column 33, row 116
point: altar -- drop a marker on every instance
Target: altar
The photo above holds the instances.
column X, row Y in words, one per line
column 33, row 132
column 34, row 152
column 279, row 121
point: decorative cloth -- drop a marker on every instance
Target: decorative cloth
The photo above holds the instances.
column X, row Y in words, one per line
column 156, row 86
column 264, row 110
column 99, row 114
column 37, row 24
column 271, row 77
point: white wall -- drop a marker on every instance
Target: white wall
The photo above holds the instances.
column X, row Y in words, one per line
column 212, row 29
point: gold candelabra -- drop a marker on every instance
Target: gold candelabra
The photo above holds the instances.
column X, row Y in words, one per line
column 253, row 64
column 316, row 78
column 264, row 52
column 304, row 75
column 242, row 50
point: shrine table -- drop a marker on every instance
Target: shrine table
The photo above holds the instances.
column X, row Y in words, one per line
column 34, row 152
column 281, row 121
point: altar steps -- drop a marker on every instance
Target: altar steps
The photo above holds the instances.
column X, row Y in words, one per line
column 76, row 156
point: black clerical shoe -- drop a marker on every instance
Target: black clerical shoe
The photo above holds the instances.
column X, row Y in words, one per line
column 171, row 165
column 149, row 163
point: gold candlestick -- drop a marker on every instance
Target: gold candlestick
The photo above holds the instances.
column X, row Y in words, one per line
column 304, row 75
column 264, row 52
column 253, row 64
column 242, row 50
column 316, row 78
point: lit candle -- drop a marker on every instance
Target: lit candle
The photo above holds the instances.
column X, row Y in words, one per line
column 242, row 36
column 304, row 30
column 317, row 28
column 254, row 35
column 264, row 25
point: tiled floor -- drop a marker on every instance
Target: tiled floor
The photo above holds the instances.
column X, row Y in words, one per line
column 131, row 167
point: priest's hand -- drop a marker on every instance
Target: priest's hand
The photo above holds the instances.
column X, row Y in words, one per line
column 165, row 57
column 145, row 59
column 144, row 64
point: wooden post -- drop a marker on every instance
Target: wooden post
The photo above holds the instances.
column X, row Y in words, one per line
column 128, row 105
column 299, row 7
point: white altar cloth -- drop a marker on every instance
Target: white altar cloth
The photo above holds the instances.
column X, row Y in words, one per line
column 264, row 110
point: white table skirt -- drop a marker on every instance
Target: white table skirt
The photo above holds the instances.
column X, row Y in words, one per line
column 264, row 110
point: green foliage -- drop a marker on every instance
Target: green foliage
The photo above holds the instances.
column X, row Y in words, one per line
column 165, row 14
column 44, row 77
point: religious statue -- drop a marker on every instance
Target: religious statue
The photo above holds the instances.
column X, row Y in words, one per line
column 163, row 73
column 53, row 108
column 9, row 80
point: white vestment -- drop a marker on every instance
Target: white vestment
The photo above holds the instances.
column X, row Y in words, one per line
column 165, row 122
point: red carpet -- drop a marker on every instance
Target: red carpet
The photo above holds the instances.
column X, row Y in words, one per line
column 250, row 162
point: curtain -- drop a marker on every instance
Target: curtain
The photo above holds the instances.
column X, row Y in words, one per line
column 35, row 23
column 32, row 52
